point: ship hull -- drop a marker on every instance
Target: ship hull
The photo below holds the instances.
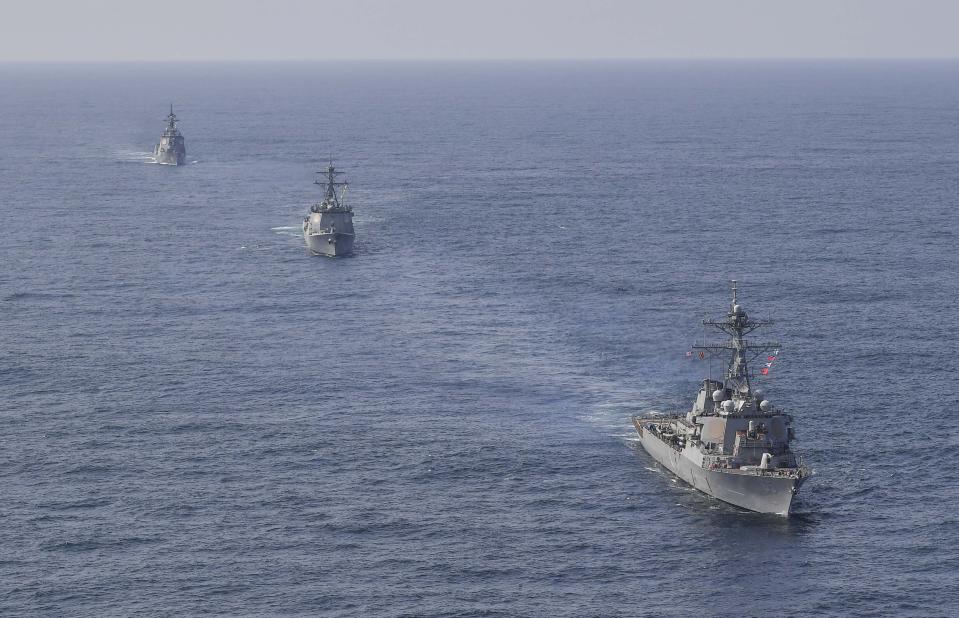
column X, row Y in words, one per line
column 331, row 244
column 762, row 494
column 169, row 157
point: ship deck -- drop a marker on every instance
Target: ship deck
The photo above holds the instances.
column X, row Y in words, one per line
column 716, row 463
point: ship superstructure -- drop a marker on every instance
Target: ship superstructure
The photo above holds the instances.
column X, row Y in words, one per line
column 172, row 147
column 733, row 444
column 328, row 229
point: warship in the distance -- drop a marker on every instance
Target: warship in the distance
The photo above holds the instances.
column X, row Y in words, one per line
column 328, row 229
column 172, row 147
column 733, row 444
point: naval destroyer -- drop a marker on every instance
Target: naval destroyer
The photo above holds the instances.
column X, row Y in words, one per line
column 733, row 444
column 328, row 229
column 172, row 147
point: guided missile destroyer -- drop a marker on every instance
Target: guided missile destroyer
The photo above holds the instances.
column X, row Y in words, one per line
column 733, row 444
column 328, row 229
column 172, row 147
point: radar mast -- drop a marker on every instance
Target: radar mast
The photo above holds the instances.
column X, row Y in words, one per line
column 171, row 119
column 331, row 197
column 740, row 350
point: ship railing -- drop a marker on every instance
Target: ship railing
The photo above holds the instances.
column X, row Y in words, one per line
column 670, row 440
column 756, row 442
column 724, row 463
column 773, row 472
column 716, row 461
column 756, row 471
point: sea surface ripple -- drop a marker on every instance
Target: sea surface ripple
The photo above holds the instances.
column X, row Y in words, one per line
column 199, row 418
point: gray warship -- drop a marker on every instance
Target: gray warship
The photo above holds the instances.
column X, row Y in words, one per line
column 172, row 147
column 733, row 444
column 328, row 229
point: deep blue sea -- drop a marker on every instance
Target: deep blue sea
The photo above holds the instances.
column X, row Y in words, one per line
column 198, row 418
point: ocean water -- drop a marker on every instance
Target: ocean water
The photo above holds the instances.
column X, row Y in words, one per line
column 200, row 418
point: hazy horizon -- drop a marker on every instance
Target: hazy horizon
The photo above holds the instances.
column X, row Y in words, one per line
column 105, row 31
column 467, row 61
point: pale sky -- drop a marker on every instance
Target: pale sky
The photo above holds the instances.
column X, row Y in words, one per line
column 172, row 30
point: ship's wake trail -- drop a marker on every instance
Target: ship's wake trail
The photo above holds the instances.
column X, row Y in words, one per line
column 618, row 405
column 368, row 219
column 287, row 230
column 135, row 156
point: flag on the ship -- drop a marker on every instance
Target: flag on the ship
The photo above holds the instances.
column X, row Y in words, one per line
column 771, row 359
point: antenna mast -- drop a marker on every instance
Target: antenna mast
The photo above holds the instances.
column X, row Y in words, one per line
column 331, row 184
column 736, row 325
